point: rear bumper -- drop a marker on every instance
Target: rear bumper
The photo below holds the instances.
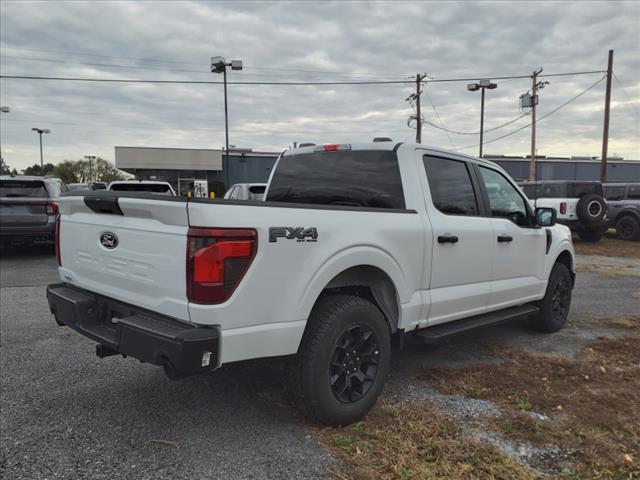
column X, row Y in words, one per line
column 119, row 328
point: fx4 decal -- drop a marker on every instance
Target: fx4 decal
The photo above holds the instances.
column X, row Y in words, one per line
column 301, row 234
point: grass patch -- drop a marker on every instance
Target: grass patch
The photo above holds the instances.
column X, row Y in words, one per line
column 415, row 441
column 594, row 401
column 609, row 246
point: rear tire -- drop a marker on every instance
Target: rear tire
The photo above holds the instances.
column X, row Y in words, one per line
column 628, row 228
column 591, row 235
column 342, row 362
column 555, row 306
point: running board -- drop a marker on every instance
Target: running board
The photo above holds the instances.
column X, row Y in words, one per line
column 436, row 333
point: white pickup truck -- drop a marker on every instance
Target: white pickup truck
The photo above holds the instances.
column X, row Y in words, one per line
column 354, row 247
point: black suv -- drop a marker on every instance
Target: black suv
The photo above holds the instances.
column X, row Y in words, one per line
column 624, row 209
column 28, row 208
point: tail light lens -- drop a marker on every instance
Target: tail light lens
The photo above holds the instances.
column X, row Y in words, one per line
column 58, row 258
column 217, row 259
column 52, row 208
column 563, row 207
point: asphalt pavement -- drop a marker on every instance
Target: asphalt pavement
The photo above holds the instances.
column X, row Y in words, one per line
column 64, row 413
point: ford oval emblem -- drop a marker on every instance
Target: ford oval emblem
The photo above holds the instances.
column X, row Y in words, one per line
column 109, row 240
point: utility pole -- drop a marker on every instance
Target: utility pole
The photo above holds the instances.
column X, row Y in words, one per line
column 534, row 101
column 415, row 97
column 605, row 131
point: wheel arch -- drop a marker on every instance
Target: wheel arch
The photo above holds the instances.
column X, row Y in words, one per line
column 628, row 211
column 566, row 258
column 365, row 271
column 370, row 283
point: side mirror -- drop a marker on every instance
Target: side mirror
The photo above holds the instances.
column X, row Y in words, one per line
column 545, row 217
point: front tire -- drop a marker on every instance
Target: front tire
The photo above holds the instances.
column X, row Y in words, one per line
column 343, row 360
column 555, row 306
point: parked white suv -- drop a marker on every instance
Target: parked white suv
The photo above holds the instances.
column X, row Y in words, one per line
column 354, row 246
column 580, row 205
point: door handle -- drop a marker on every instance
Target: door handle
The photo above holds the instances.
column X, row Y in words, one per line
column 505, row 238
column 447, row 239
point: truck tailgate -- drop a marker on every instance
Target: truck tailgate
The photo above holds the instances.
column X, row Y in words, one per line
column 129, row 249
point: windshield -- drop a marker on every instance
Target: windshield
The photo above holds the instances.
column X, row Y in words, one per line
column 142, row 187
column 361, row 178
column 22, row 188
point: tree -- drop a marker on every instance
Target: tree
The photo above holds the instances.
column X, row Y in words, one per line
column 36, row 170
column 80, row 171
column 66, row 171
column 7, row 170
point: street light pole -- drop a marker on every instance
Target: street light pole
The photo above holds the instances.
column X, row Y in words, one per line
column 90, row 158
column 40, row 132
column 3, row 110
column 473, row 87
column 219, row 65
column 226, row 129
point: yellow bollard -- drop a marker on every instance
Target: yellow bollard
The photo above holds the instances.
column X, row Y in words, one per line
column 188, row 194
column 212, row 195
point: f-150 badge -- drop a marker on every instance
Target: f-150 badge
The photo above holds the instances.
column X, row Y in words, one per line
column 300, row 234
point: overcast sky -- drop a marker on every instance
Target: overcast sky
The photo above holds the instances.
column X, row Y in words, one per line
column 312, row 41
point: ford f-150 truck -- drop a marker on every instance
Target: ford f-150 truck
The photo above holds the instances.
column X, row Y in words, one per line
column 353, row 248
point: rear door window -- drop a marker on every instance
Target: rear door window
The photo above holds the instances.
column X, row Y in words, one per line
column 359, row 178
column 22, row 188
column 451, row 187
column 552, row 190
column 577, row 190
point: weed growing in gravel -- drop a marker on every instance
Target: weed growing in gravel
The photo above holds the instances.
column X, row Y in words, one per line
column 593, row 401
column 415, row 441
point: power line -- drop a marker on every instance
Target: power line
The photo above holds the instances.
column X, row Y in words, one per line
column 455, row 132
column 203, row 82
column 626, row 94
column 152, row 60
column 439, row 119
column 511, row 77
column 309, row 74
column 154, row 127
column 538, row 120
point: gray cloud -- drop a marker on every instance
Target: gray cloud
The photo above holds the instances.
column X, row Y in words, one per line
column 310, row 41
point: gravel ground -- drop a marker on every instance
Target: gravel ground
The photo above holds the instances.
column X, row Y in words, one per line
column 67, row 414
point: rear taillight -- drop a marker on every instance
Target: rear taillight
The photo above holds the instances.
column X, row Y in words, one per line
column 58, row 258
column 563, row 207
column 52, row 208
column 217, row 259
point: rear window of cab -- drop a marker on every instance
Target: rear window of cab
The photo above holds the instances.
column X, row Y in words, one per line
column 358, row 178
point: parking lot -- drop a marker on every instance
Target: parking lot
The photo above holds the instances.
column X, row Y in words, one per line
column 68, row 414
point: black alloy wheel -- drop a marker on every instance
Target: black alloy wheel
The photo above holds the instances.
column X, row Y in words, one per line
column 354, row 363
column 561, row 299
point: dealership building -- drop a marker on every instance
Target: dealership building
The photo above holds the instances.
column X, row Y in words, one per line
column 182, row 166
